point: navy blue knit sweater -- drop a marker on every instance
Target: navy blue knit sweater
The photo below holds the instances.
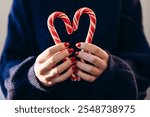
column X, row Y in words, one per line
column 119, row 31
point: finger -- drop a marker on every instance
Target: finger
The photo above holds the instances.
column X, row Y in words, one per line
column 51, row 51
column 88, row 68
column 98, row 62
column 63, row 77
column 56, row 58
column 85, row 76
column 62, row 67
column 93, row 49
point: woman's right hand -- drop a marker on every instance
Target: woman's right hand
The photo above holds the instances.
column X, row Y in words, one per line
column 46, row 69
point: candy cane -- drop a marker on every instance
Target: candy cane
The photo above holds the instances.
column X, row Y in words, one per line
column 51, row 26
column 92, row 26
column 70, row 28
column 54, row 34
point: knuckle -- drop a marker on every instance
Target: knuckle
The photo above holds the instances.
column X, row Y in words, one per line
column 106, row 55
column 67, row 64
column 62, row 46
column 92, row 79
column 94, row 71
column 66, row 52
column 96, row 51
column 82, row 53
column 79, row 63
column 104, row 65
column 40, row 72
column 55, row 72
column 61, row 79
column 52, row 60
column 49, row 50
column 37, row 70
column 91, row 70
column 69, row 73
column 94, row 60
column 107, row 58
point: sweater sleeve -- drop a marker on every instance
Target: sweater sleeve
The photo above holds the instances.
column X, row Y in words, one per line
column 18, row 80
column 127, row 75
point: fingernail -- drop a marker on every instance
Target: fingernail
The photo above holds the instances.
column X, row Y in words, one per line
column 76, row 53
column 65, row 60
column 71, row 50
column 75, row 71
column 67, row 44
column 74, row 67
column 73, row 78
column 73, row 59
column 78, row 45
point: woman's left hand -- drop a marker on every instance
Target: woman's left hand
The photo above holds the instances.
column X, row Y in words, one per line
column 97, row 58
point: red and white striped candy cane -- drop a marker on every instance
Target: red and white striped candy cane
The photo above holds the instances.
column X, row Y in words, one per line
column 70, row 28
column 54, row 34
column 75, row 24
column 92, row 25
column 93, row 21
column 51, row 26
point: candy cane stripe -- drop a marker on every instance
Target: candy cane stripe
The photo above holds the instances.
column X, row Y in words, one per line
column 72, row 27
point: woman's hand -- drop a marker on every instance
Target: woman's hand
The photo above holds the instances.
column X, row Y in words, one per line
column 46, row 69
column 97, row 58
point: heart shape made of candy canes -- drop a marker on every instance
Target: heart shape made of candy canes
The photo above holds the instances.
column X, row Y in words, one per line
column 71, row 27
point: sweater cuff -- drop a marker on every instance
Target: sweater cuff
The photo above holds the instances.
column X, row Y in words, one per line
column 109, row 72
column 118, row 79
column 35, row 83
